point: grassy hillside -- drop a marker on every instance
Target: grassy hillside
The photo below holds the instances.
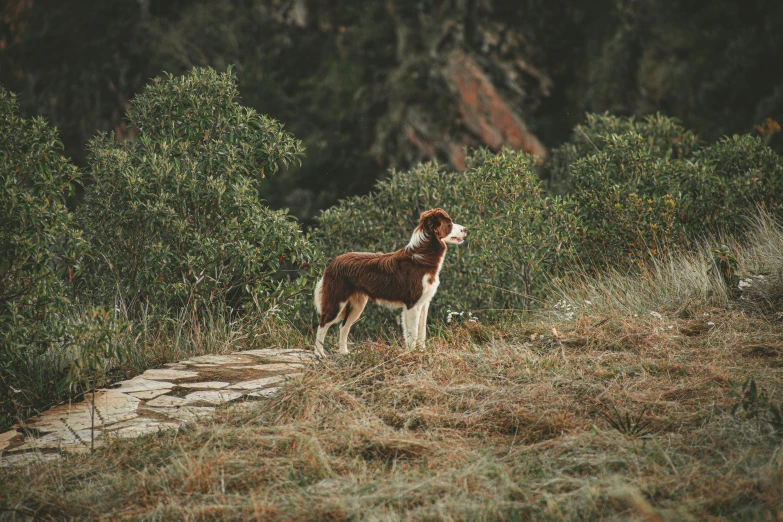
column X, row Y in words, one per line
column 615, row 403
column 484, row 424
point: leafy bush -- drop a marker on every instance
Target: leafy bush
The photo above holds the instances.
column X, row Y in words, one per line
column 175, row 215
column 730, row 178
column 662, row 136
column 40, row 250
column 521, row 237
column 642, row 188
column 628, row 199
column 517, row 236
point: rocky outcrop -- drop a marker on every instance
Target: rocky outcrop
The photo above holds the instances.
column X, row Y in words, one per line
column 484, row 112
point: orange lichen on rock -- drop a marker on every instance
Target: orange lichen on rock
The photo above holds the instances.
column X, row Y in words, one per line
column 484, row 112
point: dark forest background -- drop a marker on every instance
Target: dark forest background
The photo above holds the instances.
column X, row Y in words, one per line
column 374, row 85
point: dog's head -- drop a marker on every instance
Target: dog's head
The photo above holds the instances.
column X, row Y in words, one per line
column 437, row 223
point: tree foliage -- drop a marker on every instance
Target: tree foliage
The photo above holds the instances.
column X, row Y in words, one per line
column 641, row 188
column 40, row 250
column 175, row 215
column 662, row 135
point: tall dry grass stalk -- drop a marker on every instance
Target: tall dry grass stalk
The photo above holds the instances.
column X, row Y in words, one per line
column 682, row 282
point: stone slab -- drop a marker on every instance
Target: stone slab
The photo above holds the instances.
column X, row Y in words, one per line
column 149, row 394
column 271, row 367
column 218, row 359
column 208, row 385
column 184, row 413
column 112, row 406
column 257, row 384
column 166, row 374
column 286, row 359
column 166, row 401
column 131, row 422
column 25, row 459
column 265, row 353
column 59, row 440
column 138, row 384
column 212, row 396
column 141, row 427
column 266, row 392
column 5, row 439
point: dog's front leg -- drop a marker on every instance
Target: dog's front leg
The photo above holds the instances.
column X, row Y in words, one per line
column 410, row 318
column 404, row 323
column 421, row 338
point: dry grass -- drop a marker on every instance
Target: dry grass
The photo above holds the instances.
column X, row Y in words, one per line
column 484, row 424
column 685, row 284
column 616, row 408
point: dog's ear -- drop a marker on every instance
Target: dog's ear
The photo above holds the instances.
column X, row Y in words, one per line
column 430, row 222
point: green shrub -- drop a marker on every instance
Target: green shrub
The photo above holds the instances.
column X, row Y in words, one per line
column 174, row 214
column 730, row 179
column 517, row 236
column 643, row 188
column 521, row 238
column 663, row 137
column 628, row 200
column 40, row 250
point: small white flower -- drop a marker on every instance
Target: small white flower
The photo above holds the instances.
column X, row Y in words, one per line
column 710, row 324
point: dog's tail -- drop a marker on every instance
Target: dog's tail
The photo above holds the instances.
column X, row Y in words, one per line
column 319, row 290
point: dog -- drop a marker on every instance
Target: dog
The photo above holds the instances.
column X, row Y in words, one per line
column 406, row 279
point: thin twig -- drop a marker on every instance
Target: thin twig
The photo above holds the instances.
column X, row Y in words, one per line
column 588, row 137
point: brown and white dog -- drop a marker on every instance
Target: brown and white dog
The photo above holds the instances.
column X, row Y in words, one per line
column 406, row 279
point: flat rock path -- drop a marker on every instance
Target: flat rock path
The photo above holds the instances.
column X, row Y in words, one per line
column 159, row 399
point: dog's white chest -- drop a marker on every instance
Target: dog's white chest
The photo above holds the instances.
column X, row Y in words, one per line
column 429, row 285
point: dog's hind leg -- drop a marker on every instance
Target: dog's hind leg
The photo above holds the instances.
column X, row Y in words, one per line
column 325, row 323
column 354, row 309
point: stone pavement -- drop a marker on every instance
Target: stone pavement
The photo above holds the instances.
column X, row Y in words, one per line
column 159, row 399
